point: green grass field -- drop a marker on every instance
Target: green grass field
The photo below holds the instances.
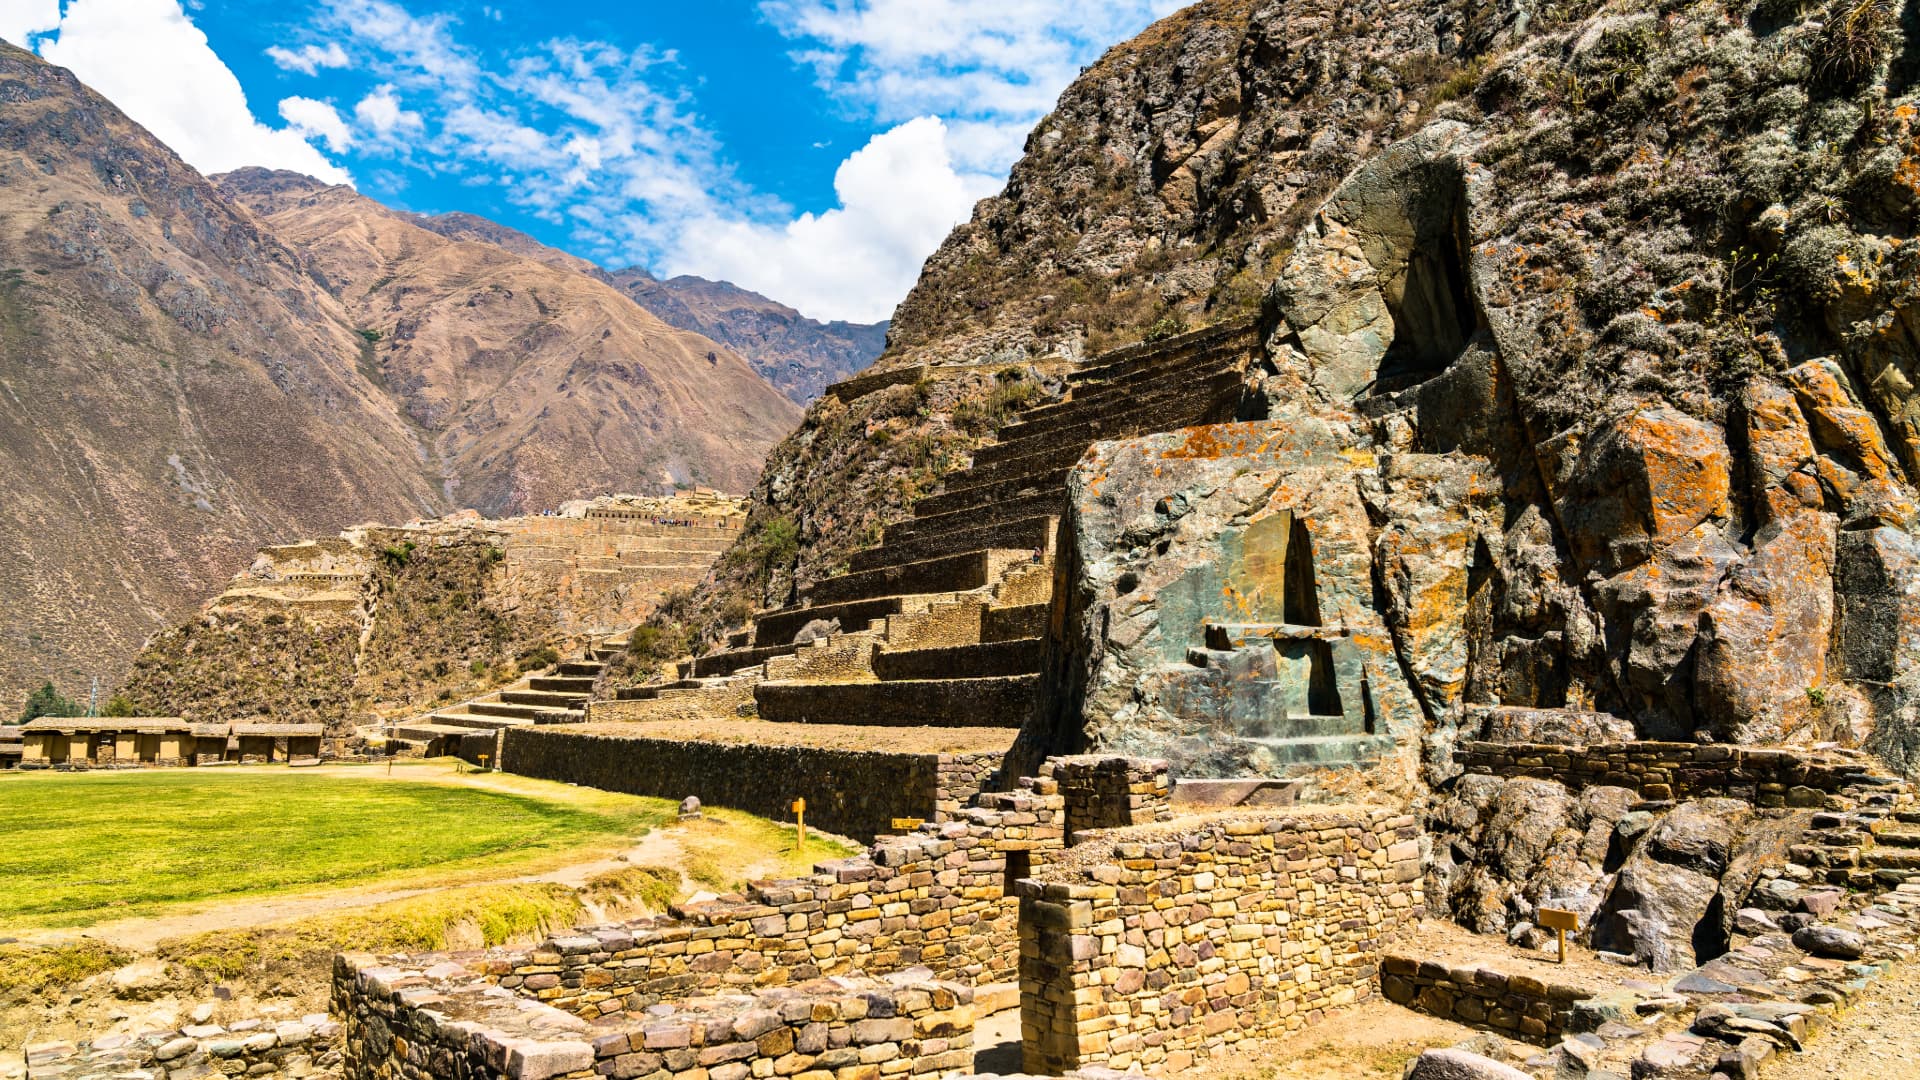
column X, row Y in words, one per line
column 85, row 847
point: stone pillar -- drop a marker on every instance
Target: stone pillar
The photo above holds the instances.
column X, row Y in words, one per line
column 1058, row 951
column 79, row 750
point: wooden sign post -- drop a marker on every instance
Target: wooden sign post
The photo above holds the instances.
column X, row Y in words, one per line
column 1560, row 922
column 800, row 819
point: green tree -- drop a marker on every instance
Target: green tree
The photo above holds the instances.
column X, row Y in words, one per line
column 119, row 705
column 47, row 701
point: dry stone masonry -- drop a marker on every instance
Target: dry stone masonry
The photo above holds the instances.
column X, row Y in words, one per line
column 1174, row 943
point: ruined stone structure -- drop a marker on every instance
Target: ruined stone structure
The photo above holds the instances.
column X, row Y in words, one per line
column 400, row 621
column 79, row 743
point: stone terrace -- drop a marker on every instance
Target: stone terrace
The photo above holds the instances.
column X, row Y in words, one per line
column 942, row 623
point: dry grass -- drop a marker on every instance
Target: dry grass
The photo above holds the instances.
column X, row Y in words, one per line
column 29, row 969
column 726, row 849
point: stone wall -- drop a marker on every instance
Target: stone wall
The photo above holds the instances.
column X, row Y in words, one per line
column 938, row 897
column 1518, row 1005
column 306, row 1048
column 855, row 793
column 1181, row 941
column 1767, row 777
column 1111, row 792
column 442, row 1021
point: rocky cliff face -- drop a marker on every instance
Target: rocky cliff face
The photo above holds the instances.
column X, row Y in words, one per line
column 1591, row 337
column 177, row 388
column 532, row 381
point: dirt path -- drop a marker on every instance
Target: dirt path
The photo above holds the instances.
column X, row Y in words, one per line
column 1877, row 1038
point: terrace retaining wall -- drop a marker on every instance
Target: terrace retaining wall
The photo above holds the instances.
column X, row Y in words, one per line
column 853, row 793
column 1767, row 777
column 1183, row 941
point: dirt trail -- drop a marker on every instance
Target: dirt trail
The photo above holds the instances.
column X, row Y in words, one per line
column 1877, row 1038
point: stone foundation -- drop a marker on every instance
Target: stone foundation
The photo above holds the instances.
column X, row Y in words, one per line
column 853, row 793
column 443, row 1021
column 1181, row 942
column 1518, row 1005
column 1767, row 777
column 308, row 1048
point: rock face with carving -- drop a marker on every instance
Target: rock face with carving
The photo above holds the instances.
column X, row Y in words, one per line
column 1552, row 417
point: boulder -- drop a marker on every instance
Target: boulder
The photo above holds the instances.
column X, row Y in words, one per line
column 1833, row 942
column 143, row 980
column 1442, row 1064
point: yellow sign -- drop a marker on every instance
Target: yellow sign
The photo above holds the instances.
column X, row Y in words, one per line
column 1553, row 919
column 907, row 824
column 1560, row 922
column 799, row 806
column 800, row 822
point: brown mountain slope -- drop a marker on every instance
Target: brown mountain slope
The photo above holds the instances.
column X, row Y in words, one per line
column 799, row 356
column 534, row 383
column 175, row 390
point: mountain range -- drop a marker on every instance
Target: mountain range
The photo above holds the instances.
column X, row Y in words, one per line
column 192, row 367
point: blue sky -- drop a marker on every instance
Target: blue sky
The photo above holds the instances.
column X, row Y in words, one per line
column 813, row 150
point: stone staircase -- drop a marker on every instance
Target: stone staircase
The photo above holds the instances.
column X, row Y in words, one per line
column 558, row 696
column 1875, row 845
column 943, row 623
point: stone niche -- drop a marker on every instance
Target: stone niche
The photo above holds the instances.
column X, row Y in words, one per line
column 1222, row 609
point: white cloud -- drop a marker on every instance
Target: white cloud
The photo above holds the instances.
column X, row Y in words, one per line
column 20, row 18
column 899, row 196
column 317, row 119
column 991, row 70
column 381, row 111
column 309, row 59
column 149, row 59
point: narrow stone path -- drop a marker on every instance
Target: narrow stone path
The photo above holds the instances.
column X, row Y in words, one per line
column 1877, row 1038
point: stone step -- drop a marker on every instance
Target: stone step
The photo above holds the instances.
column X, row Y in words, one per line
column 962, row 496
column 539, row 714
column 1898, row 838
column 717, row 664
column 562, row 684
column 1907, row 817
column 654, row 690
column 1879, row 858
column 1225, row 354
column 1036, row 461
column 427, row 732
column 586, row 669
column 953, row 573
column 547, row 698
column 1004, row 701
column 1118, row 362
column 477, row 721
column 1012, row 623
column 1020, row 656
column 1297, row 727
column 1034, row 533
column 1038, row 504
column 1088, row 421
column 1322, row 751
column 778, row 626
